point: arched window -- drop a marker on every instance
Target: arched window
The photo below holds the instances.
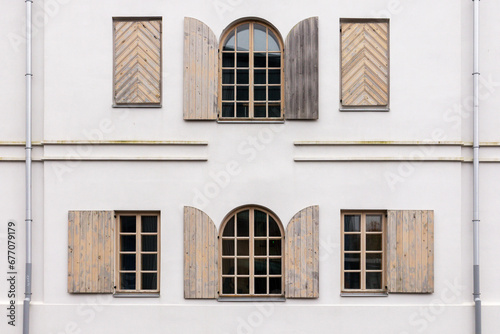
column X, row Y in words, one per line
column 251, row 68
column 251, row 260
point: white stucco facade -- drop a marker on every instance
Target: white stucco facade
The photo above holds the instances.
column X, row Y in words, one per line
column 229, row 165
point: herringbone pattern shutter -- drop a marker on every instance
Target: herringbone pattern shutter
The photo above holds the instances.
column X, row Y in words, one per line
column 137, row 65
column 365, row 63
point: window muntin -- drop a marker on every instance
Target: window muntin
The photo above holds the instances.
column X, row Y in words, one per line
column 363, row 239
column 251, row 244
column 138, row 256
column 251, row 73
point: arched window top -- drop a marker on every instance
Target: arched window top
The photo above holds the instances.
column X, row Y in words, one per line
column 264, row 36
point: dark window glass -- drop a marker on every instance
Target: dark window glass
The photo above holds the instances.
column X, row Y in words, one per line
column 241, row 109
column 274, row 93
column 260, row 266
column 260, row 93
column 259, row 110
column 260, row 247
column 274, row 230
column 228, row 247
column 374, row 280
column 127, row 243
column 260, row 285
column 259, row 77
column 127, row 281
column 228, row 93
column 242, row 59
column 243, row 285
column 374, row 261
column 259, row 60
column 260, row 223
column 242, row 221
column 229, row 46
column 373, row 223
column 373, row 242
column 275, row 285
column 274, row 59
column 127, row 261
column 274, row 110
column 352, row 242
column 352, row 281
column 242, row 77
column 275, row 266
column 352, row 223
column 243, row 247
column 229, row 229
column 242, row 93
column 228, row 285
column 227, row 266
column 227, row 59
column 149, row 261
column 243, row 267
column 228, row 77
column 275, row 247
column 149, row 243
column 352, row 261
column 228, row 110
column 127, row 224
column 149, row 281
column 149, row 223
column 274, row 77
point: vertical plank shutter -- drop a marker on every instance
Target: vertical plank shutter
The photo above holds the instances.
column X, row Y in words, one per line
column 302, row 254
column 200, row 71
column 90, row 251
column 137, row 62
column 365, row 63
column 200, row 255
column 410, row 251
column 301, row 71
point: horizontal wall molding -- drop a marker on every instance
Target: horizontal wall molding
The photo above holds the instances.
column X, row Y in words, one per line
column 393, row 143
column 107, row 142
column 391, row 159
column 129, row 159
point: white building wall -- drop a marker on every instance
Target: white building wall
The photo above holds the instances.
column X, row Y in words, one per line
column 430, row 75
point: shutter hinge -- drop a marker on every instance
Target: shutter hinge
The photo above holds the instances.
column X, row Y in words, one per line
column 218, row 237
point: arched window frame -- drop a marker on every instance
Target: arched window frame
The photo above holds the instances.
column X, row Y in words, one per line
column 252, row 256
column 251, row 82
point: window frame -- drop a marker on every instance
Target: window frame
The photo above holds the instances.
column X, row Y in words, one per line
column 251, row 256
column 138, row 252
column 251, row 82
column 363, row 252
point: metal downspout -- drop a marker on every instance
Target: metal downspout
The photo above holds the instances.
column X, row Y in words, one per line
column 475, row 220
column 29, row 220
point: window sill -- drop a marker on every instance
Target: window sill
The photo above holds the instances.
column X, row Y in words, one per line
column 137, row 106
column 251, row 299
column 366, row 109
column 278, row 121
column 136, row 295
column 364, row 294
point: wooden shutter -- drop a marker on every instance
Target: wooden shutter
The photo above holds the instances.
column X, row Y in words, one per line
column 302, row 254
column 90, row 252
column 137, row 62
column 365, row 63
column 410, row 251
column 301, row 71
column 200, row 71
column 200, row 255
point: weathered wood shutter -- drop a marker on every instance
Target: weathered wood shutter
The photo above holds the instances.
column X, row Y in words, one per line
column 410, row 251
column 90, row 251
column 365, row 63
column 302, row 254
column 200, row 71
column 301, row 71
column 137, row 61
column 201, row 274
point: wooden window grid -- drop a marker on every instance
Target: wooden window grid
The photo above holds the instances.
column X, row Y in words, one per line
column 139, row 253
column 363, row 251
column 250, row 107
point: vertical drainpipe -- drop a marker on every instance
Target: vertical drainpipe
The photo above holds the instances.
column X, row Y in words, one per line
column 475, row 221
column 29, row 220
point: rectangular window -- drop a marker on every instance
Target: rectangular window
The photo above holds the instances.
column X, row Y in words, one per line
column 364, row 64
column 138, row 256
column 137, row 62
column 363, row 251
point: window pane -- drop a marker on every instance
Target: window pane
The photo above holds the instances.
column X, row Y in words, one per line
column 260, row 93
column 127, row 224
column 260, row 224
column 274, row 110
column 352, row 281
column 127, row 261
column 228, row 247
column 242, row 38
column 352, row 261
column 260, row 247
column 242, row 93
column 149, row 261
column 259, row 60
column 228, row 76
column 352, row 242
column 273, row 42
column 243, row 247
column 243, row 267
column 228, row 110
column 374, row 280
column 274, row 77
column 260, row 77
column 241, row 109
column 260, row 266
column 127, row 281
column 228, row 285
column 227, row 266
column 373, row 223
column 374, row 261
column 275, row 247
column 274, row 266
column 243, row 285
column 227, row 59
column 373, row 242
column 260, row 285
column 242, row 220
column 352, row 223
column 242, row 77
column 275, row 285
column 274, row 93
column 127, row 243
column 259, row 110
column 229, row 46
column 149, row 243
column 228, row 93
column 242, row 59
column 149, row 223
column 274, row 60
column 149, row 281
column 274, row 230
column 259, row 38
column 229, row 228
